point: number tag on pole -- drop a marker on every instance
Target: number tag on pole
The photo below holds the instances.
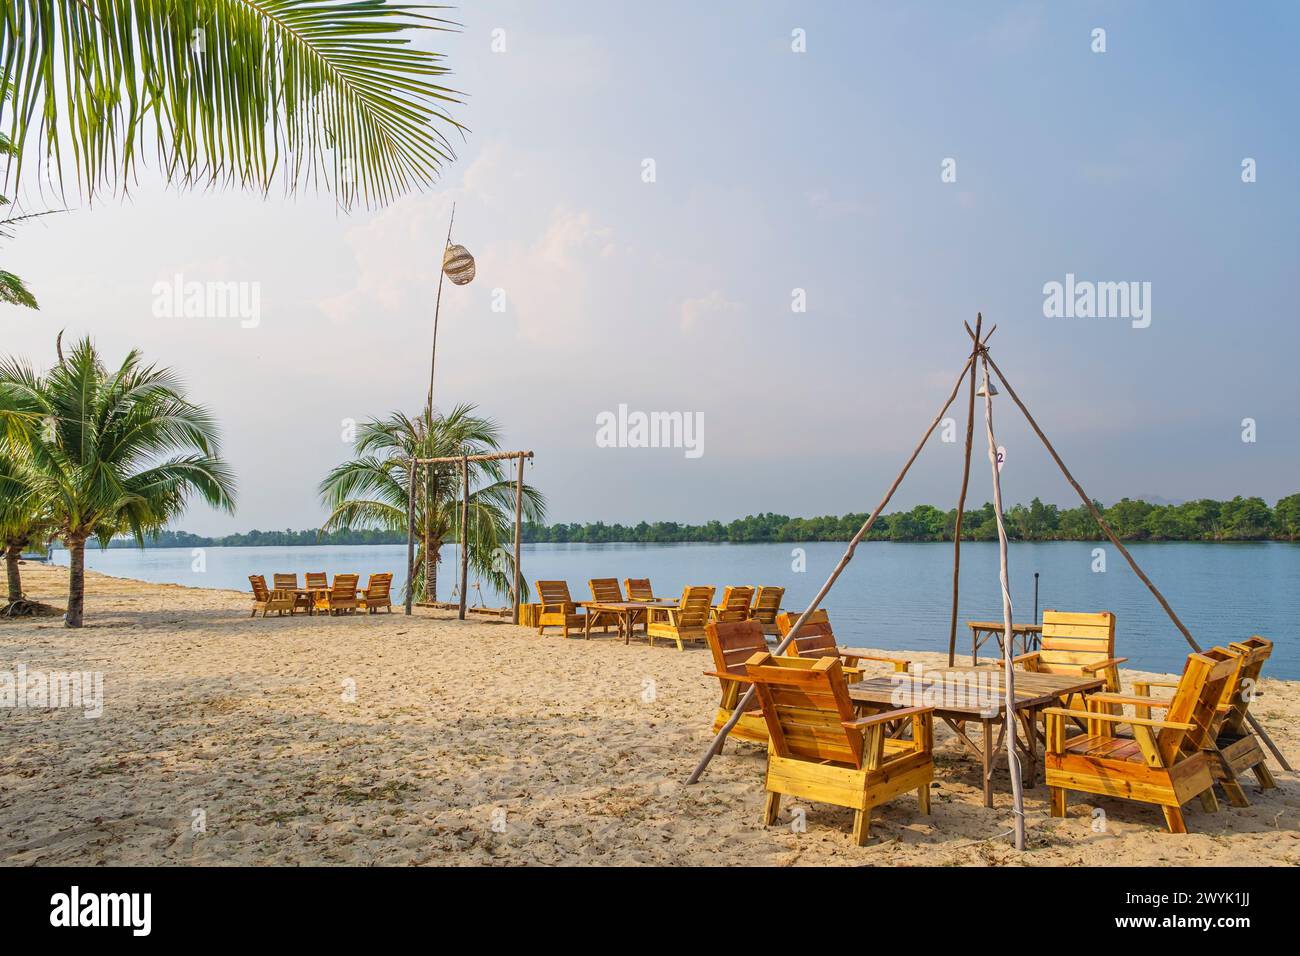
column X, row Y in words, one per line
column 1002, row 458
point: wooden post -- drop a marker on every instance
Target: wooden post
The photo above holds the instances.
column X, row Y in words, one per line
column 437, row 308
column 464, row 535
column 715, row 745
column 410, row 537
column 519, row 519
column 961, row 500
column 1114, row 539
column 1008, row 670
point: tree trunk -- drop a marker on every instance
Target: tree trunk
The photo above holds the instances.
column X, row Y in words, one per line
column 76, row 581
column 12, row 553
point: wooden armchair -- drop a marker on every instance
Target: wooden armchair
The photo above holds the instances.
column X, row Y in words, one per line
column 732, row 645
column 289, row 582
column 1163, row 762
column 606, row 590
column 265, row 600
column 557, row 608
column 819, row 751
column 341, row 598
column 734, row 606
column 378, row 593
column 767, row 605
column 639, row 589
column 816, row 639
column 685, row 622
column 1077, row 644
column 318, row 580
column 1233, row 748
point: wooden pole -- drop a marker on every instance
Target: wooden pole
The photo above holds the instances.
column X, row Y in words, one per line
column 1008, row 670
column 491, row 456
column 464, row 535
column 519, row 521
column 410, row 538
column 1114, row 539
column 437, row 308
column 715, row 745
column 961, row 499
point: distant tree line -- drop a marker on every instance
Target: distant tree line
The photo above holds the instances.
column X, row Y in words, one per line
column 1241, row 519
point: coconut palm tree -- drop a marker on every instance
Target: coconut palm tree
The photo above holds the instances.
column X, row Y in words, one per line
column 373, row 491
column 24, row 521
column 317, row 92
column 112, row 451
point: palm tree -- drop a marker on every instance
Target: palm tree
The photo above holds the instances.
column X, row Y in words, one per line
column 111, row 451
column 372, row 490
column 319, row 92
column 24, row 521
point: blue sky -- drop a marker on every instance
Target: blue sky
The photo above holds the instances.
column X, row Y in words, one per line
column 775, row 170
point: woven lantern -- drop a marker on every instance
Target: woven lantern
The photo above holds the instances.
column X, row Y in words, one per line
column 458, row 264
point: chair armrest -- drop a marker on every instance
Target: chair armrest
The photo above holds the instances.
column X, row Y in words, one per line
column 1102, row 665
column 1117, row 719
column 1020, row 659
column 1142, row 686
column 1127, row 699
column 863, row 722
column 723, row 675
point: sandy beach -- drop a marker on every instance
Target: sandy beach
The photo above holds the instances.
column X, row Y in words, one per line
column 387, row 740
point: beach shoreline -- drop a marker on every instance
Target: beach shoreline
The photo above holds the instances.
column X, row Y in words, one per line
column 393, row 740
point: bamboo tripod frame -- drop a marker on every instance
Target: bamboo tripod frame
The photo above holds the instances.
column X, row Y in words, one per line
column 463, row 462
column 979, row 354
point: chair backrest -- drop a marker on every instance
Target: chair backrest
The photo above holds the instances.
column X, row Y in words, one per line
column 317, row 579
column 554, row 592
column 379, row 585
column 693, row 609
column 1071, row 640
column 1244, row 686
column 734, row 644
column 816, row 639
column 260, row 593
column 805, row 703
column 1195, row 702
column 345, row 586
column 285, row 582
column 638, row 589
column 606, row 590
column 735, row 603
column 767, row 602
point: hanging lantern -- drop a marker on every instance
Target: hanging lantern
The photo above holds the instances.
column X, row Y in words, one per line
column 458, row 264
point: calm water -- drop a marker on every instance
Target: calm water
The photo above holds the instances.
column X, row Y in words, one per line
column 891, row 595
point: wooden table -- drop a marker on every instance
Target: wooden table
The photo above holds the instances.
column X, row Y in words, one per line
column 311, row 596
column 981, row 631
column 626, row 611
column 961, row 695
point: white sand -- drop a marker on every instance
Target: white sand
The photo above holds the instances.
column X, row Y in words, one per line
column 474, row 743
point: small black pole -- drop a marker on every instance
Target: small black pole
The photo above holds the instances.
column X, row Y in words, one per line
column 1036, row 597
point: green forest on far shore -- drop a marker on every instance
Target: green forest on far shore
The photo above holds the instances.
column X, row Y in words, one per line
column 1241, row 519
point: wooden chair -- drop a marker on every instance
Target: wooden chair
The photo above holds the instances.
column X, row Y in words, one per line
column 732, row 645
column 1234, row 748
column 341, row 597
column 557, row 608
column 1077, row 644
column 318, row 580
column 606, row 590
column 378, row 593
column 767, row 605
column 265, row 600
column 685, row 622
column 734, row 605
column 639, row 589
column 816, row 639
column 820, row 751
column 289, row 582
column 1163, row 762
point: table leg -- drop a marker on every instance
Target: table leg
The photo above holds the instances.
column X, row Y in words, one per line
column 586, row 625
column 1030, row 720
column 627, row 635
column 987, row 762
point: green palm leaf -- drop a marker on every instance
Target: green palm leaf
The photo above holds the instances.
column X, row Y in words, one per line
column 234, row 92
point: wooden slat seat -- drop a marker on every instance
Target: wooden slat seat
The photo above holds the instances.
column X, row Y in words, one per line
column 341, row 598
column 557, row 608
column 1076, row 643
column 605, row 591
column 639, row 589
column 378, row 593
column 820, row 751
column 266, row 600
column 732, row 646
column 766, row 606
column 289, row 582
column 734, row 605
column 684, row 622
column 816, row 639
